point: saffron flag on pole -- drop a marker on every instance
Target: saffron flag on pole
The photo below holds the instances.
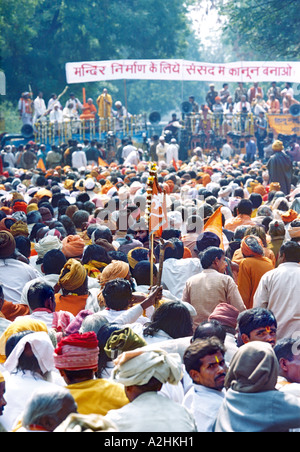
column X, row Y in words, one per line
column 215, row 224
column 158, row 220
column 40, row 165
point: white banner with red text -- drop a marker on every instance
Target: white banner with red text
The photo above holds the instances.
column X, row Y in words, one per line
column 182, row 70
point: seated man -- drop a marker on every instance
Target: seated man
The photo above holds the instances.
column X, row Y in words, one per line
column 176, row 270
column 211, row 287
column 257, row 324
column 47, row 409
column 75, row 295
column 76, row 358
column 205, row 363
column 143, row 372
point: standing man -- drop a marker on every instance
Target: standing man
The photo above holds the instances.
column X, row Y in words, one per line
column 250, row 149
column 104, row 103
column 279, row 290
column 39, row 107
column 211, row 96
column 25, row 108
column 162, row 149
column 280, row 167
column 261, row 133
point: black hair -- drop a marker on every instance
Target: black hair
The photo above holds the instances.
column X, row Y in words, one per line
column 193, row 355
column 23, row 245
column 245, row 207
column 208, row 256
column 95, row 253
column 291, row 250
column 173, row 318
column 287, row 348
column 53, row 262
column 141, row 273
column 117, row 294
column 38, row 293
column 254, row 318
column 209, row 329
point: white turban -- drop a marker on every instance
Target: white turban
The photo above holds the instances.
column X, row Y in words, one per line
column 48, row 243
column 137, row 367
column 41, row 347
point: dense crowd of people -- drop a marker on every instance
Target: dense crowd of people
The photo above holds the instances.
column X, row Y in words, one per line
column 96, row 334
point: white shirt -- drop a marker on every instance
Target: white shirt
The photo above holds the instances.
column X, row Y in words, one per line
column 79, row 159
column 204, row 404
column 13, row 277
column 176, row 272
column 127, row 150
column 133, row 158
column 19, row 388
column 39, row 107
column 56, row 115
column 279, row 291
column 150, row 412
column 172, row 153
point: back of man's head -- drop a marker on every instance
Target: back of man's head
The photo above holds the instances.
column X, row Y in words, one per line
column 117, row 294
column 245, row 207
column 53, row 262
column 291, row 252
column 39, row 294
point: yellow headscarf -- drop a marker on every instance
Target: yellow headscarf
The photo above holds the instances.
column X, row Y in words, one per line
column 72, row 276
column 277, row 146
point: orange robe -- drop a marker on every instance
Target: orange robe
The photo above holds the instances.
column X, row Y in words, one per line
column 70, row 303
column 250, row 273
column 89, row 111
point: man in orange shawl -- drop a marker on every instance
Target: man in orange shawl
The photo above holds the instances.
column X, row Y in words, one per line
column 252, row 268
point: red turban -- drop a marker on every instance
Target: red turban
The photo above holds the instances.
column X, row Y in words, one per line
column 77, row 352
column 20, row 206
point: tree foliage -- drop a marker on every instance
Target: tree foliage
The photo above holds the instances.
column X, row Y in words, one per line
column 266, row 29
column 39, row 36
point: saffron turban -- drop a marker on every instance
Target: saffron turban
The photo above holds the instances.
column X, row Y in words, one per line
column 277, row 146
column 252, row 246
column 115, row 270
column 72, row 276
column 226, row 314
column 77, row 352
column 137, row 367
column 289, row 216
column 73, row 246
column 7, row 244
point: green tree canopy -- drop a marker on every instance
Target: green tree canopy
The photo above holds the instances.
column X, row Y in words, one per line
column 39, row 36
column 265, row 29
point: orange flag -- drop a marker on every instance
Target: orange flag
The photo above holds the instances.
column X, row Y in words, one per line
column 102, row 162
column 214, row 224
column 175, row 165
column 158, row 220
column 40, row 165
